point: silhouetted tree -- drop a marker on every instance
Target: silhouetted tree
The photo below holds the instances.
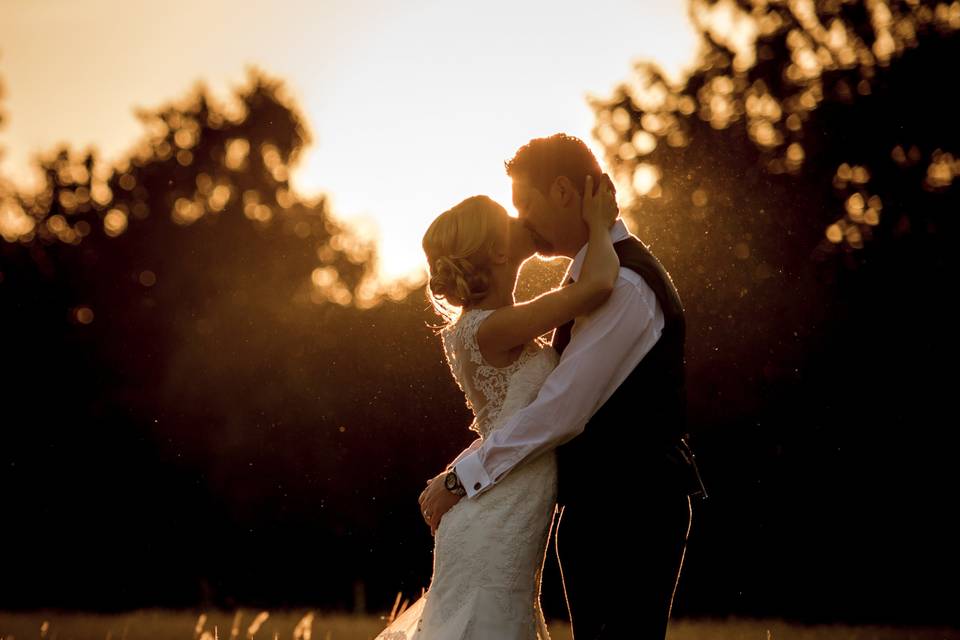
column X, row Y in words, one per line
column 5, row 188
column 781, row 158
column 224, row 173
column 183, row 321
column 799, row 184
column 2, row 114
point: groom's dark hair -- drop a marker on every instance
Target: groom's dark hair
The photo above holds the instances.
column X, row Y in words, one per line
column 543, row 159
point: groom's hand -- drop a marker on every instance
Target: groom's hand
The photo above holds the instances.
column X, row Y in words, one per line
column 435, row 501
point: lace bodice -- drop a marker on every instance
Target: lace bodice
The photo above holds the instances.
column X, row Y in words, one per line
column 484, row 385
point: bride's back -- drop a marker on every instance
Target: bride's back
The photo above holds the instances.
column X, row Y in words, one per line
column 486, row 386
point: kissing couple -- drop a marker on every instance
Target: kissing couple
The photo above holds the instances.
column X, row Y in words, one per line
column 587, row 431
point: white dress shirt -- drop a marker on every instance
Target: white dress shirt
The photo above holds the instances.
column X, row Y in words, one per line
column 605, row 346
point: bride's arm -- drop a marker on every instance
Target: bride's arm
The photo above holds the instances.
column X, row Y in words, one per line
column 510, row 327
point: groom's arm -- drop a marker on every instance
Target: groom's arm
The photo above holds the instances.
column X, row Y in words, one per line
column 604, row 348
column 470, row 449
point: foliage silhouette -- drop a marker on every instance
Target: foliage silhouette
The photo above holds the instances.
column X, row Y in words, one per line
column 199, row 166
column 781, row 165
column 800, row 186
column 190, row 375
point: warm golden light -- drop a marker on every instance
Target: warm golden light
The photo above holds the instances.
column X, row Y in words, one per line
column 942, row 171
column 115, row 223
column 83, row 315
column 645, row 142
column 645, row 178
column 68, row 200
column 56, row 223
column 766, row 135
column 835, row 233
column 186, row 211
column 219, row 198
column 324, row 276
column 237, row 150
column 855, row 204
column 14, row 222
column 413, row 107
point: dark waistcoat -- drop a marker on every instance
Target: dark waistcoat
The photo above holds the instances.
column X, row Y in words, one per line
column 635, row 441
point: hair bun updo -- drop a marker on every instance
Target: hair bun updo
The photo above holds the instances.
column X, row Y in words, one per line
column 458, row 247
column 458, row 281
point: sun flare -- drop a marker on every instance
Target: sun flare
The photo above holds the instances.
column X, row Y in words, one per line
column 412, row 108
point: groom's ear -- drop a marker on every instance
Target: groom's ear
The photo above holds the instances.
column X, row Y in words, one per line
column 564, row 192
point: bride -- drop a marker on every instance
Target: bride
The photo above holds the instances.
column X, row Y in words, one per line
column 489, row 551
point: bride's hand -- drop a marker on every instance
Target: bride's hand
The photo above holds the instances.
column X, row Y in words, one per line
column 435, row 501
column 599, row 208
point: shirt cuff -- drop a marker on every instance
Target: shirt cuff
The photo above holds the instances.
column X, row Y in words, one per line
column 472, row 475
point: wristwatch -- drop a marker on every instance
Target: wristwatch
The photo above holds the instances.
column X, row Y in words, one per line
column 452, row 484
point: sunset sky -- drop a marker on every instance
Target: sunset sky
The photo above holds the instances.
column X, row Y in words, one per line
column 413, row 106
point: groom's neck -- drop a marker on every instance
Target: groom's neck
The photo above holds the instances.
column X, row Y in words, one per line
column 576, row 245
column 573, row 253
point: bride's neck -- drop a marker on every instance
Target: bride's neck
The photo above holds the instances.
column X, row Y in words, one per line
column 503, row 280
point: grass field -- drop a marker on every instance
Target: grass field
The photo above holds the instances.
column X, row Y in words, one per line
column 300, row 625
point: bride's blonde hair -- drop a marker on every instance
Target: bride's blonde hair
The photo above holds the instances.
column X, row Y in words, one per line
column 458, row 247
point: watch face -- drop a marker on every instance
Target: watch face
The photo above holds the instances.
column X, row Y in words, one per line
column 451, row 480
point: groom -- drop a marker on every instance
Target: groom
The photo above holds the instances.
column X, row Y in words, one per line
column 614, row 409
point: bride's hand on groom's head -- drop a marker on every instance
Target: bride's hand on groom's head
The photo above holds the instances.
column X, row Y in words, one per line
column 599, row 206
column 607, row 181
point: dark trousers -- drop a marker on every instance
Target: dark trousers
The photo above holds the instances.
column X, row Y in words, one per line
column 618, row 578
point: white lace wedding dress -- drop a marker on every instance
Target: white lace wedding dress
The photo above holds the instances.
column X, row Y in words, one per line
column 489, row 550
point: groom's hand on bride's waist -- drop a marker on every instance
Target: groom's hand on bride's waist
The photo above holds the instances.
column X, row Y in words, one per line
column 435, row 501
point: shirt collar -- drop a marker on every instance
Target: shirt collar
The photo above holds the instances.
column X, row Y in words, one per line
column 618, row 232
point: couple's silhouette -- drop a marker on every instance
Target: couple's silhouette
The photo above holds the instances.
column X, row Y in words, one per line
column 584, row 435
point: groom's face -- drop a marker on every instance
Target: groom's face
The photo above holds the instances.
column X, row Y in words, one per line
column 536, row 213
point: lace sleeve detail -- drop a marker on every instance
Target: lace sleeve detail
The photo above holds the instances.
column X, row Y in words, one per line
column 463, row 352
column 451, row 350
column 469, row 328
column 491, row 382
column 468, row 366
